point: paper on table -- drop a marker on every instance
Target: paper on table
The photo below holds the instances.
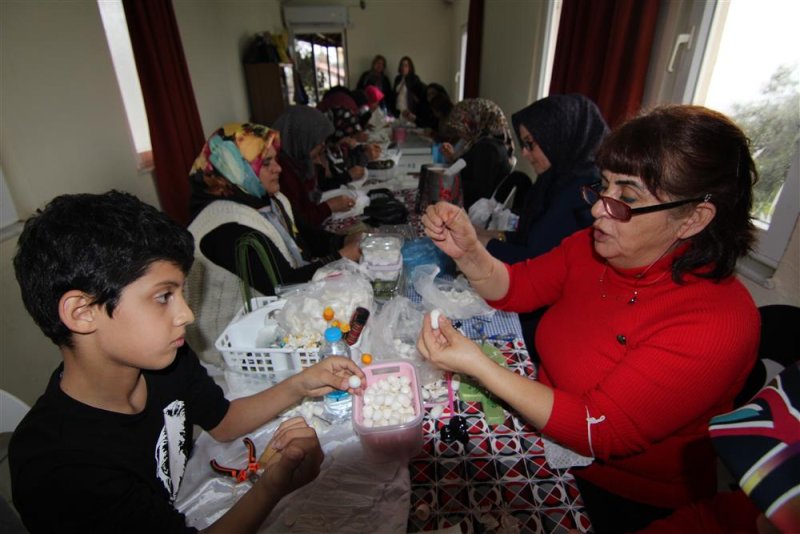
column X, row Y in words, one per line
column 352, row 493
column 361, row 198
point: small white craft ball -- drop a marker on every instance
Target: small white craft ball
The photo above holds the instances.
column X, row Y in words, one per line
column 354, row 382
column 435, row 314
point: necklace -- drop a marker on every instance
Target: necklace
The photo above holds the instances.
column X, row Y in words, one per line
column 635, row 295
column 638, row 277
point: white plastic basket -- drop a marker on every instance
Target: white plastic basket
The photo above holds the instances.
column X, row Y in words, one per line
column 251, row 368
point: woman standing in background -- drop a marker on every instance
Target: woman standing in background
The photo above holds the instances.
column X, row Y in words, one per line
column 376, row 76
column 408, row 90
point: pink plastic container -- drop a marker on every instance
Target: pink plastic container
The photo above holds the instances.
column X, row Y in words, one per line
column 392, row 441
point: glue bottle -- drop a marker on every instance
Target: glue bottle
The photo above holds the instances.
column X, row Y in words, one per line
column 338, row 404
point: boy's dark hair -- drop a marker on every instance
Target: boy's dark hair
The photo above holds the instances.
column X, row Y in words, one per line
column 98, row 244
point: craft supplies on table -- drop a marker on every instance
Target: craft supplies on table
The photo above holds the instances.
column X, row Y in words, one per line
column 250, row 348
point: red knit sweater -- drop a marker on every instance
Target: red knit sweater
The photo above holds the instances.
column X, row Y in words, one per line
column 651, row 373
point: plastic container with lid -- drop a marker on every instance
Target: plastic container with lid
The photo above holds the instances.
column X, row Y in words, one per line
column 382, row 257
column 402, row 440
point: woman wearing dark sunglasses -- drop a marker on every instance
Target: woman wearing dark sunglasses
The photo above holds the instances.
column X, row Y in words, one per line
column 648, row 333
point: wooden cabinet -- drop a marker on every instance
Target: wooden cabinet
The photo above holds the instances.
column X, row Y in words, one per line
column 268, row 90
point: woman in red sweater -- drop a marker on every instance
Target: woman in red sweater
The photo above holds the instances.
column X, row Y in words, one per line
column 648, row 333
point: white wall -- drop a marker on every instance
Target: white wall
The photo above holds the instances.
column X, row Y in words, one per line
column 62, row 130
column 62, row 121
column 786, row 279
column 215, row 36
column 385, row 27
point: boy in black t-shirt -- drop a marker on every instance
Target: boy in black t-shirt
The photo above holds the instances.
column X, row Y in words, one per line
column 105, row 447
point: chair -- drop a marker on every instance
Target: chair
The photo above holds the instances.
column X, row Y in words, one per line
column 779, row 348
column 12, row 410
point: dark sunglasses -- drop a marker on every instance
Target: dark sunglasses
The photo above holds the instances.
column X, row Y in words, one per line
column 622, row 212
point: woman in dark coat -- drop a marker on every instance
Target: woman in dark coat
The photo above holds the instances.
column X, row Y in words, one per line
column 376, row 76
column 484, row 143
column 559, row 135
column 408, row 90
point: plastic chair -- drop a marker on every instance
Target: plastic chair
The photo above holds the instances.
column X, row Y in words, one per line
column 12, row 410
column 779, row 348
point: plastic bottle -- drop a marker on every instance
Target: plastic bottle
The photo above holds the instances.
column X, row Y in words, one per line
column 338, row 405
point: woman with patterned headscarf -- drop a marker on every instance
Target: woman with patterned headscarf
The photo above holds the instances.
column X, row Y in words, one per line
column 236, row 198
column 484, row 143
column 303, row 132
column 345, row 159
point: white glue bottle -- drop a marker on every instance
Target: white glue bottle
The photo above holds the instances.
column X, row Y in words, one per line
column 338, row 404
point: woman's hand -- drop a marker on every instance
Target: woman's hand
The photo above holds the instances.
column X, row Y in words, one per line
column 450, row 229
column 448, row 152
column 447, row 349
column 331, row 373
column 357, row 172
column 373, row 151
column 297, row 460
column 341, row 203
column 352, row 247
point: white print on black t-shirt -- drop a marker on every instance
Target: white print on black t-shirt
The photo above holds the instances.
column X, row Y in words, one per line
column 170, row 456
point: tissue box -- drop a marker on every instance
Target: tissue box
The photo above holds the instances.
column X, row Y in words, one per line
column 403, row 440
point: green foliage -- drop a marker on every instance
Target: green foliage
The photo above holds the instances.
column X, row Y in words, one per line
column 773, row 124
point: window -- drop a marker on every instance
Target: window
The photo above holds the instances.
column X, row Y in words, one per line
column 119, row 43
column 764, row 100
column 742, row 58
column 320, row 62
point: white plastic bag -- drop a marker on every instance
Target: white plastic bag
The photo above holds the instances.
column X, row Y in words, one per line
column 489, row 214
column 455, row 298
column 343, row 291
column 393, row 334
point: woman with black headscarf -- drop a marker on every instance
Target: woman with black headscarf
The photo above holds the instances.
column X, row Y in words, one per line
column 303, row 132
column 559, row 135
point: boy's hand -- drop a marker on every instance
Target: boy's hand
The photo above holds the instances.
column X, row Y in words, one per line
column 331, row 373
column 297, row 460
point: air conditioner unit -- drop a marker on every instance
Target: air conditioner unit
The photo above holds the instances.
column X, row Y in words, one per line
column 315, row 16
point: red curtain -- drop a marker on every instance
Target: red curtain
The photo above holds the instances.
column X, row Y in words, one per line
column 176, row 133
column 603, row 51
column 472, row 76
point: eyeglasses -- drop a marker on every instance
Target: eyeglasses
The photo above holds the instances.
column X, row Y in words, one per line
column 622, row 212
column 527, row 145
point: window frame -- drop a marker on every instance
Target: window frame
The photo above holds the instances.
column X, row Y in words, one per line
column 330, row 28
column 700, row 20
